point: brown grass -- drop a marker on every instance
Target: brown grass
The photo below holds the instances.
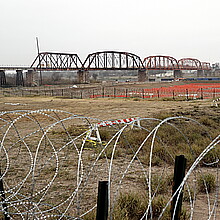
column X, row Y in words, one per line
column 116, row 109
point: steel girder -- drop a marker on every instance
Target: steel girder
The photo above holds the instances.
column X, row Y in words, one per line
column 112, row 60
column 56, row 61
column 161, row 63
column 190, row 64
column 206, row 66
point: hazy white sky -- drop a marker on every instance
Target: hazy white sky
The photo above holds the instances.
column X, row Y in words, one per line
column 186, row 28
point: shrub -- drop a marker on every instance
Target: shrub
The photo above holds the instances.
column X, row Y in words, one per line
column 91, row 215
column 158, row 203
column 161, row 184
column 206, row 183
column 207, row 121
column 108, row 152
column 188, row 194
column 133, row 138
column 211, row 157
column 105, row 134
column 130, row 206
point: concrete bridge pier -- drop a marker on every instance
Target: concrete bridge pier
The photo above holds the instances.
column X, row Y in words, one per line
column 208, row 73
column 82, row 76
column 31, row 78
column 2, row 78
column 19, row 78
column 178, row 74
column 200, row 73
column 142, row 75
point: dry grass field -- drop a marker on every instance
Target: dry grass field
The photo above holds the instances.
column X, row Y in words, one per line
column 132, row 192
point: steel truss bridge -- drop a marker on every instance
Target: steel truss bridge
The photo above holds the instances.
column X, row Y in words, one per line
column 105, row 60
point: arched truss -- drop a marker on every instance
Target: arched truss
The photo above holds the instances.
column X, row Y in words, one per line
column 57, row 61
column 112, row 60
column 190, row 64
column 160, row 63
column 206, row 66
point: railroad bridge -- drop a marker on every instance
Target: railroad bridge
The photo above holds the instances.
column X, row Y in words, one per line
column 105, row 60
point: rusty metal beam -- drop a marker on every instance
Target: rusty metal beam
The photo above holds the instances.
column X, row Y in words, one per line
column 113, row 60
column 47, row 61
column 189, row 64
column 160, row 63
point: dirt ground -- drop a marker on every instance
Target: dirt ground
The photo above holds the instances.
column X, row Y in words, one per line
column 107, row 109
column 100, row 108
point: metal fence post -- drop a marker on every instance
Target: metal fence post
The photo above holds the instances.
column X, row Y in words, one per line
column 114, row 92
column 2, row 194
column 103, row 92
column 179, row 173
column 201, row 93
column 187, row 94
column 102, row 202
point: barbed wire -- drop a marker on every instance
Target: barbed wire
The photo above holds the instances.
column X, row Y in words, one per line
column 50, row 165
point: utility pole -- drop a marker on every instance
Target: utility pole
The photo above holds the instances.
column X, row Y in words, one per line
column 38, row 52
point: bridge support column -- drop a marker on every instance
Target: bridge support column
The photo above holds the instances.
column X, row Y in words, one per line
column 19, row 78
column 142, row 75
column 208, row 73
column 31, row 78
column 82, row 76
column 2, row 78
column 200, row 73
column 177, row 74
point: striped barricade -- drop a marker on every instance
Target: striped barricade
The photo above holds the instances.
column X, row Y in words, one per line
column 110, row 123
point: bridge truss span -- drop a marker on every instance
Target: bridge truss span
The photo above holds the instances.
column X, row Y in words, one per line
column 56, row 61
column 206, row 66
column 190, row 64
column 113, row 60
column 161, row 63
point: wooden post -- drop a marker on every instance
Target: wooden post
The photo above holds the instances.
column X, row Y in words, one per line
column 4, row 205
column 179, row 173
column 173, row 94
column 114, row 92
column 103, row 92
column 187, row 95
column 102, row 202
column 201, row 93
column 214, row 93
column 143, row 93
column 126, row 93
column 158, row 94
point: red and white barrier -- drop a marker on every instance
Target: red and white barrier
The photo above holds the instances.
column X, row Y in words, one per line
column 110, row 123
column 119, row 121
